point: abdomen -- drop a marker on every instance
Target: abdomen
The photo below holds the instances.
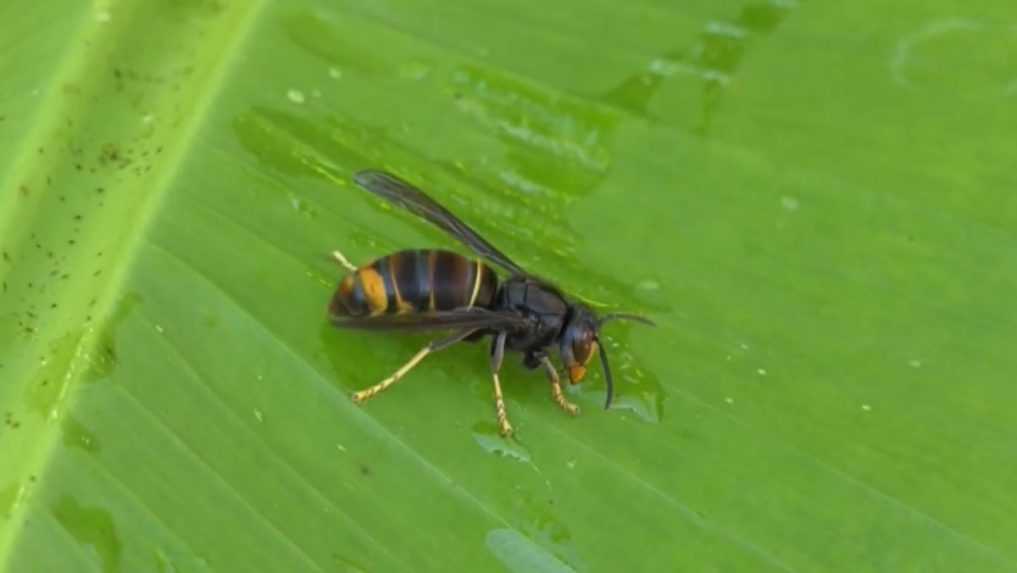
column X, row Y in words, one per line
column 415, row 281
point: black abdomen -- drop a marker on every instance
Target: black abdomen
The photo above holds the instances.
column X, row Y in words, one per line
column 415, row 281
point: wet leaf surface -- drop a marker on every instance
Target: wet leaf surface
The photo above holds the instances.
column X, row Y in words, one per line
column 815, row 204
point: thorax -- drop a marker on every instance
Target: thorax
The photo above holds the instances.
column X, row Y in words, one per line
column 541, row 303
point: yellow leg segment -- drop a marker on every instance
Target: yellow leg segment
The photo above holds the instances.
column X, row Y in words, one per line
column 556, row 393
column 497, row 354
column 368, row 393
column 499, row 407
column 434, row 346
column 339, row 258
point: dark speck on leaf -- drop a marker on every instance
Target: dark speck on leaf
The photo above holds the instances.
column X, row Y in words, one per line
column 110, row 153
column 364, row 470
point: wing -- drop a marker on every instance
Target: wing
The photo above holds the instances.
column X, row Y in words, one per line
column 463, row 319
column 402, row 193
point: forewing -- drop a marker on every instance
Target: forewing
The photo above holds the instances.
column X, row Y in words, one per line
column 464, row 319
column 397, row 191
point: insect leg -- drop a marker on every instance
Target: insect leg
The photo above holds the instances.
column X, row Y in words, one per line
column 497, row 354
column 434, row 346
column 339, row 258
column 556, row 393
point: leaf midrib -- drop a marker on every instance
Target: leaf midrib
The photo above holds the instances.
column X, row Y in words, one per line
column 145, row 193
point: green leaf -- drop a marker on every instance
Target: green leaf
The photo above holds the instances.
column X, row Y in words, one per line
column 814, row 202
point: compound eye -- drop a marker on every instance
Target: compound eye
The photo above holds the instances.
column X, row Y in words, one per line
column 583, row 349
